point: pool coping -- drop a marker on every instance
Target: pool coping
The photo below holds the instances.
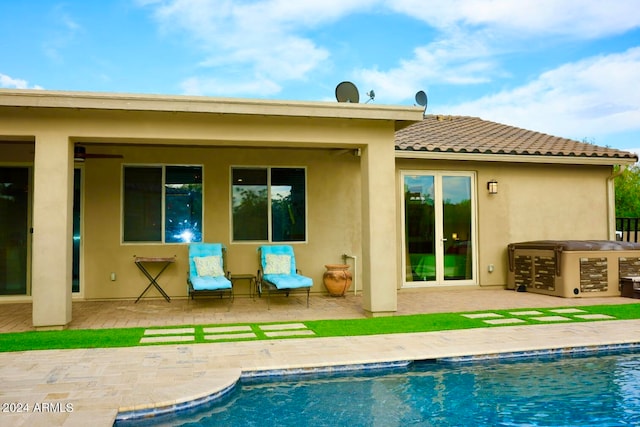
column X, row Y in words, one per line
column 163, row 408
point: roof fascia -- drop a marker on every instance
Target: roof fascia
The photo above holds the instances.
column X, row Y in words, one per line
column 514, row 158
column 198, row 104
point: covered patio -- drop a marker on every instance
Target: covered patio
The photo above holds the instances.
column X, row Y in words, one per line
column 16, row 317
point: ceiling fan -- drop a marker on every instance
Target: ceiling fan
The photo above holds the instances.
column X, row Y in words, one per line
column 80, row 154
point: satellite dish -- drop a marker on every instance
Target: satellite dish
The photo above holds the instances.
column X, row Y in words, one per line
column 347, row 92
column 371, row 94
column 421, row 99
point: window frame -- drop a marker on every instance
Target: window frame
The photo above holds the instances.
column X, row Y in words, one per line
column 163, row 207
column 269, row 239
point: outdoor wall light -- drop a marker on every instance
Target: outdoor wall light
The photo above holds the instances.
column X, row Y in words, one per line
column 492, row 186
column 79, row 153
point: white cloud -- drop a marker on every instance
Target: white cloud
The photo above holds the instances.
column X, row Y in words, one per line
column 577, row 18
column 592, row 97
column 459, row 60
column 255, row 47
column 263, row 36
column 13, row 83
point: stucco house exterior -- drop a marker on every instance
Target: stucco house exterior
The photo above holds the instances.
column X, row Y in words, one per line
column 89, row 181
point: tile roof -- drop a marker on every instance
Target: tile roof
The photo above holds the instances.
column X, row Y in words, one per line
column 461, row 134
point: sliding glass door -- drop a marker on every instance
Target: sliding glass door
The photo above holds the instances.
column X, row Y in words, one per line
column 439, row 228
column 77, row 235
column 14, row 230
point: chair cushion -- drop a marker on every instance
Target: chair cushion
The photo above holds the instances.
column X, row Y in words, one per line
column 209, row 266
column 277, row 264
column 288, row 281
column 209, row 283
column 277, row 250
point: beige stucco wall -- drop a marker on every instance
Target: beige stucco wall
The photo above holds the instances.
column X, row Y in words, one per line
column 534, row 202
column 333, row 219
column 326, row 146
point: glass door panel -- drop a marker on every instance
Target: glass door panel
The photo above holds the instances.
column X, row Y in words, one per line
column 439, row 230
column 456, row 226
column 14, row 229
column 420, row 222
column 77, row 192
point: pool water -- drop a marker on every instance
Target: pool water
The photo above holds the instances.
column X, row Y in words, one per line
column 568, row 391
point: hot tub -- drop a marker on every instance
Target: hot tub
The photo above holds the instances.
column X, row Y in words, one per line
column 572, row 268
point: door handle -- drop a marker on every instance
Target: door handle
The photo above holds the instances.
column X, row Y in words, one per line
column 444, row 239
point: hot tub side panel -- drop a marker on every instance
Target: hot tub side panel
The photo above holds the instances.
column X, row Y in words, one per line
column 534, row 268
column 577, row 274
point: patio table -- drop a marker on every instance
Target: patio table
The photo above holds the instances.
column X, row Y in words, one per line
column 164, row 262
column 251, row 278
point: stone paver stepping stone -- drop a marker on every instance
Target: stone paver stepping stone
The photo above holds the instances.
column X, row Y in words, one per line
column 283, row 327
column 220, row 337
column 567, row 310
column 526, row 313
column 290, row 333
column 594, row 316
column 482, row 315
column 170, row 331
column 503, row 321
column 551, row 318
column 224, row 329
column 167, row 338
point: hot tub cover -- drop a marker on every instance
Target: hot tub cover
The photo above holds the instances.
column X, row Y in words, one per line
column 559, row 246
column 576, row 245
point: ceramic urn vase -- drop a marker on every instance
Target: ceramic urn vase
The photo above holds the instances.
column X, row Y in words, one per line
column 337, row 279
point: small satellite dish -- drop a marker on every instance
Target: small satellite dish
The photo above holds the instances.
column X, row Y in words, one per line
column 347, row 92
column 371, row 94
column 421, row 98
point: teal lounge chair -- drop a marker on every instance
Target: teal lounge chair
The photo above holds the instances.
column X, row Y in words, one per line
column 278, row 272
column 207, row 270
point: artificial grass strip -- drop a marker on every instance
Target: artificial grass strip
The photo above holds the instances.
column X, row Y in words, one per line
column 70, row 339
column 620, row 312
column 129, row 337
column 391, row 325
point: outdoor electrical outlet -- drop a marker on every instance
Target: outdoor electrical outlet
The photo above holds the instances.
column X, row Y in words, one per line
column 113, row 276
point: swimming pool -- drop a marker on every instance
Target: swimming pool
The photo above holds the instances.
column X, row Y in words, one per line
column 599, row 390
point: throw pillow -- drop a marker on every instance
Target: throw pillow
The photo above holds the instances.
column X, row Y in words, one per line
column 278, row 264
column 209, row 266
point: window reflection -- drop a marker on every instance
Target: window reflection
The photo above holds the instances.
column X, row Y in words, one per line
column 287, row 204
column 260, row 194
column 420, row 228
column 249, row 198
column 183, row 204
column 144, row 218
column 456, row 225
column 14, row 205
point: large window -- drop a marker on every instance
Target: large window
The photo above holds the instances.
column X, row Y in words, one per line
column 269, row 204
column 162, row 204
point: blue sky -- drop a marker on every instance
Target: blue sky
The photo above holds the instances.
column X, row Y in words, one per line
column 569, row 68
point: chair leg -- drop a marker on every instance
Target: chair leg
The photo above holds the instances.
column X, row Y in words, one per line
column 230, row 299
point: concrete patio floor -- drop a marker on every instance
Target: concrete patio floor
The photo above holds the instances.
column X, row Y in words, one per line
column 200, row 311
column 90, row 386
